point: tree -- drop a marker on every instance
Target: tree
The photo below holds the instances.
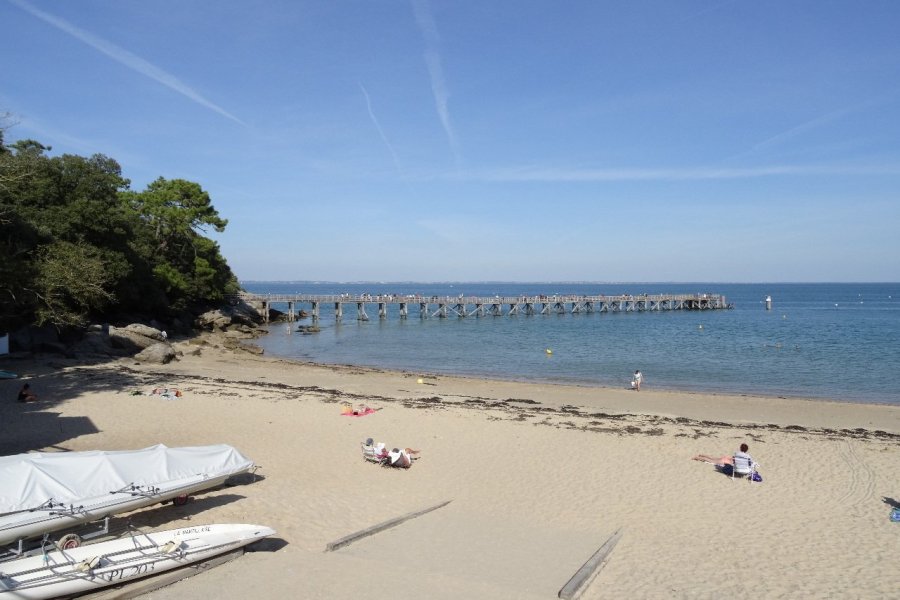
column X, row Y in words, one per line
column 71, row 282
column 188, row 267
column 77, row 243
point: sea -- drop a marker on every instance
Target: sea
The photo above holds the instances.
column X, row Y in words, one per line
column 836, row 341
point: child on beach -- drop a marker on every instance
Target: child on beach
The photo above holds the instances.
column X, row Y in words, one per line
column 26, row 395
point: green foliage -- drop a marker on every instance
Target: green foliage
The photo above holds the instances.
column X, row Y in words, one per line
column 76, row 243
column 188, row 267
column 71, row 282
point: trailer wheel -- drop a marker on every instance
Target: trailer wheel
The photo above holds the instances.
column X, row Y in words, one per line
column 181, row 500
column 68, row 541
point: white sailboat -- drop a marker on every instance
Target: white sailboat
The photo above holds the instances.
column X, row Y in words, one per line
column 49, row 491
column 94, row 566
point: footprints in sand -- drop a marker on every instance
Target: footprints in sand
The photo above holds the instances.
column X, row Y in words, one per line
column 861, row 478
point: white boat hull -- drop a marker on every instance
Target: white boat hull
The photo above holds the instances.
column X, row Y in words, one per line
column 31, row 524
column 48, row 492
column 95, row 566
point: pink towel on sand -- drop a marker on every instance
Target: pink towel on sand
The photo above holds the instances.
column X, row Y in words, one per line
column 367, row 411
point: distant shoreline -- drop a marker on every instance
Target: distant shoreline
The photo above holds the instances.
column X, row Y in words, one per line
column 587, row 385
column 700, row 405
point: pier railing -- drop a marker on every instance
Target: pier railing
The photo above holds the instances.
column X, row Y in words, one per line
column 480, row 306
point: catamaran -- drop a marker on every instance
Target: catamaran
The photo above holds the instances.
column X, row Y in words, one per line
column 63, row 572
column 47, row 492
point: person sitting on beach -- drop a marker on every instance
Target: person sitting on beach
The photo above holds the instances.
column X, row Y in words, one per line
column 726, row 460
column 720, row 461
column 26, row 395
column 401, row 458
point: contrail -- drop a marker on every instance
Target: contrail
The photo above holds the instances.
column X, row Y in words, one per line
column 433, row 62
column 673, row 174
column 125, row 57
column 804, row 127
column 381, row 131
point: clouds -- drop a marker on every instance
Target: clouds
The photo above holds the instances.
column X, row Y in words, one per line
column 380, row 130
column 126, row 58
column 427, row 26
column 565, row 174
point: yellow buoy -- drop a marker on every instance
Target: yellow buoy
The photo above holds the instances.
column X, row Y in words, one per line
column 549, row 351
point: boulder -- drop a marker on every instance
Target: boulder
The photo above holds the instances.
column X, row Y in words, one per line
column 146, row 331
column 132, row 338
column 214, row 320
column 250, row 348
column 239, row 333
column 159, row 353
column 33, row 339
column 95, row 343
column 240, row 314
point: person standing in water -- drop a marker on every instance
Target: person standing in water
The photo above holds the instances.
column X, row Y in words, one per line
column 637, row 380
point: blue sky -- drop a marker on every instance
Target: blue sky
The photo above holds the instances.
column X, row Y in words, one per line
column 464, row 140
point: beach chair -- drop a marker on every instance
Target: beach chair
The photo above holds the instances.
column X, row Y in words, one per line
column 743, row 466
column 373, row 454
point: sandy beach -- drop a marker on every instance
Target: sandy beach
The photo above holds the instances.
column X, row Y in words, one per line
column 538, row 477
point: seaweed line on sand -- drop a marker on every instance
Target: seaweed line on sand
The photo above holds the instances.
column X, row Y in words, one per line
column 518, row 409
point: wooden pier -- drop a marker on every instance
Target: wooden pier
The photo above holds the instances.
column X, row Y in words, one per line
column 475, row 306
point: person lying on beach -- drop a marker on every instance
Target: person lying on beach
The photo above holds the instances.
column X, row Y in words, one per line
column 363, row 410
column 401, row 458
column 26, row 395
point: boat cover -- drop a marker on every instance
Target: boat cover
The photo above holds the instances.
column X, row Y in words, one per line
column 31, row 480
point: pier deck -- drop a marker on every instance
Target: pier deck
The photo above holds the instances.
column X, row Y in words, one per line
column 476, row 306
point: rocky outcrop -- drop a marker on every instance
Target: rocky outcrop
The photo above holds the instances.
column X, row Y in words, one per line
column 134, row 337
column 158, row 353
column 36, row 339
column 95, row 344
column 239, row 315
column 238, row 321
column 235, row 343
column 131, row 340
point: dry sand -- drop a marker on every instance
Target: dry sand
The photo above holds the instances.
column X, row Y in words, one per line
column 539, row 477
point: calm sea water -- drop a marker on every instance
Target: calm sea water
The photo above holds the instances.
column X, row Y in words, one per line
column 835, row 341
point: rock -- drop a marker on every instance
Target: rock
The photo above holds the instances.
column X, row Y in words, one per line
column 159, row 353
column 240, row 314
column 53, row 348
column 96, row 343
column 132, row 338
column 31, row 338
column 251, row 348
column 214, row 320
column 144, row 330
column 238, row 333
